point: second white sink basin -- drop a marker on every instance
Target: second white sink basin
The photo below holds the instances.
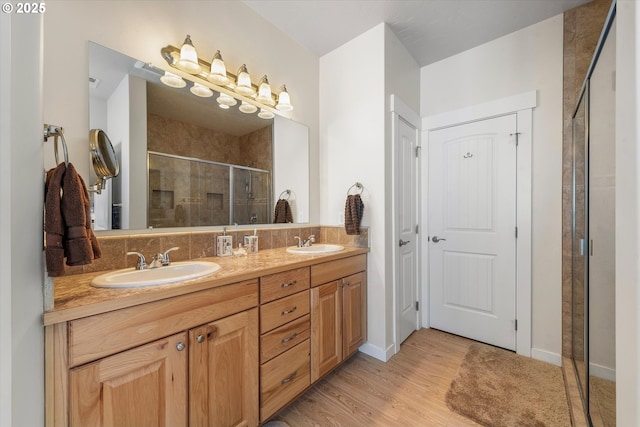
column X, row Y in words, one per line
column 320, row 248
column 176, row 272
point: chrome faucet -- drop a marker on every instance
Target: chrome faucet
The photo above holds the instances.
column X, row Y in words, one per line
column 308, row 242
column 158, row 260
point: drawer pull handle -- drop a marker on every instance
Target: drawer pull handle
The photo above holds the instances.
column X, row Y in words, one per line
column 289, row 311
column 289, row 378
column 286, row 340
column 286, row 285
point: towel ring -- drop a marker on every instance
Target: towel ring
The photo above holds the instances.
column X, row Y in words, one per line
column 55, row 132
column 358, row 186
column 287, row 192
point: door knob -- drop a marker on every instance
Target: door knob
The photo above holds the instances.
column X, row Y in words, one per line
column 404, row 242
column 436, row 239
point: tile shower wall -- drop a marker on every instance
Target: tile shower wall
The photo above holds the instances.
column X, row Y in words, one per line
column 201, row 244
column 582, row 27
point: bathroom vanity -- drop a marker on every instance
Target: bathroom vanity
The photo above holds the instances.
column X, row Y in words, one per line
column 228, row 349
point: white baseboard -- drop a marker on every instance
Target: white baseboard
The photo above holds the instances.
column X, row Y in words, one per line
column 378, row 352
column 546, row 356
column 602, row 372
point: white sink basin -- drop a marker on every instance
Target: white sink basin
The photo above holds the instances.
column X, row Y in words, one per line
column 320, row 248
column 176, row 272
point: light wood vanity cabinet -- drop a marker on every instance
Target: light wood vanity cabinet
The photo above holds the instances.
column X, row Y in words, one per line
column 204, row 374
column 284, row 339
column 338, row 312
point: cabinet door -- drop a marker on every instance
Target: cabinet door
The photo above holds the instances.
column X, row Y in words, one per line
column 354, row 329
column 326, row 327
column 223, row 372
column 145, row 386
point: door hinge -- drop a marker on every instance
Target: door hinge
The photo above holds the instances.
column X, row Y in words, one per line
column 418, row 147
column 417, row 305
column 516, row 323
column 417, row 228
column 516, row 232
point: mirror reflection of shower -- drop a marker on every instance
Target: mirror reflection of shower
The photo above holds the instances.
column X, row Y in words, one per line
column 252, row 199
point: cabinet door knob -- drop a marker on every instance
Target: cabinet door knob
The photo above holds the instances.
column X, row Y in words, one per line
column 200, row 338
column 289, row 311
column 180, row 346
column 286, row 285
column 289, row 378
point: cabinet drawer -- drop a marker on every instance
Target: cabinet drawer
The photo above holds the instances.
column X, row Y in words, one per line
column 94, row 337
column 283, row 338
column 284, row 310
column 280, row 285
column 283, row 378
column 334, row 270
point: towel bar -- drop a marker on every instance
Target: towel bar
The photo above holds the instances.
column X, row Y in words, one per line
column 358, row 186
column 288, row 192
column 55, row 132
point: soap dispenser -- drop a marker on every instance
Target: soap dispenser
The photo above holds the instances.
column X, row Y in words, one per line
column 225, row 244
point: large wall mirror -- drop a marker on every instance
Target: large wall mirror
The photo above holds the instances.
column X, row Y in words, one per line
column 185, row 161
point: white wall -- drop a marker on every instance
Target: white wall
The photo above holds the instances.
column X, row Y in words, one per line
column 627, row 213
column 241, row 34
column 352, row 149
column 22, row 193
column 529, row 59
column 356, row 81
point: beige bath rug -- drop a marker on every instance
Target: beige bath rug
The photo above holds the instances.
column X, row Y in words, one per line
column 498, row 388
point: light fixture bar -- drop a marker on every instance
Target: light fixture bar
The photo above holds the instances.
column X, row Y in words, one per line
column 171, row 54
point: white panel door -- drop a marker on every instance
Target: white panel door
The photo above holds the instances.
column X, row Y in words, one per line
column 472, row 230
column 406, row 220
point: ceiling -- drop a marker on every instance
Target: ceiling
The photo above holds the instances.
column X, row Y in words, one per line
column 431, row 30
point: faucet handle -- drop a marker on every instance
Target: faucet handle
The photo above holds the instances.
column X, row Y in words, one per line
column 165, row 256
column 142, row 262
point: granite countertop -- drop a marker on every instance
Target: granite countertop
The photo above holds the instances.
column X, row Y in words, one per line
column 74, row 297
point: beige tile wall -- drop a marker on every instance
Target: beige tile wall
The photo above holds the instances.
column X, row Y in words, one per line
column 202, row 244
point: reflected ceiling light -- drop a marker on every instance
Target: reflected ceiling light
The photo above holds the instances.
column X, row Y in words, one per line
column 227, row 100
column 218, row 74
column 264, row 92
column 202, row 91
column 245, row 107
column 243, row 82
column 188, row 57
column 265, row 114
column 284, row 101
column 223, row 106
column 172, row 80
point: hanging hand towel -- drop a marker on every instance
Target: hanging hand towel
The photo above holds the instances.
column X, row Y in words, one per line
column 283, row 212
column 54, row 222
column 81, row 245
column 353, row 210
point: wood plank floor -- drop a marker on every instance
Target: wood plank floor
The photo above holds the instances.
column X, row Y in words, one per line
column 408, row 390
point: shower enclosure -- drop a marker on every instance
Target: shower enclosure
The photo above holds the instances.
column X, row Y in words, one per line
column 189, row 192
column 593, row 234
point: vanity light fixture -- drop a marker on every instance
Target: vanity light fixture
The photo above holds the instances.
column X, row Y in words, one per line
column 264, row 92
column 243, row 82
column 218, row 74
column 172, row 80
column 265, row 114
column 188, row 61
column 227, row 100
column 284, row 101
column 247, row 108
column 202, row 91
